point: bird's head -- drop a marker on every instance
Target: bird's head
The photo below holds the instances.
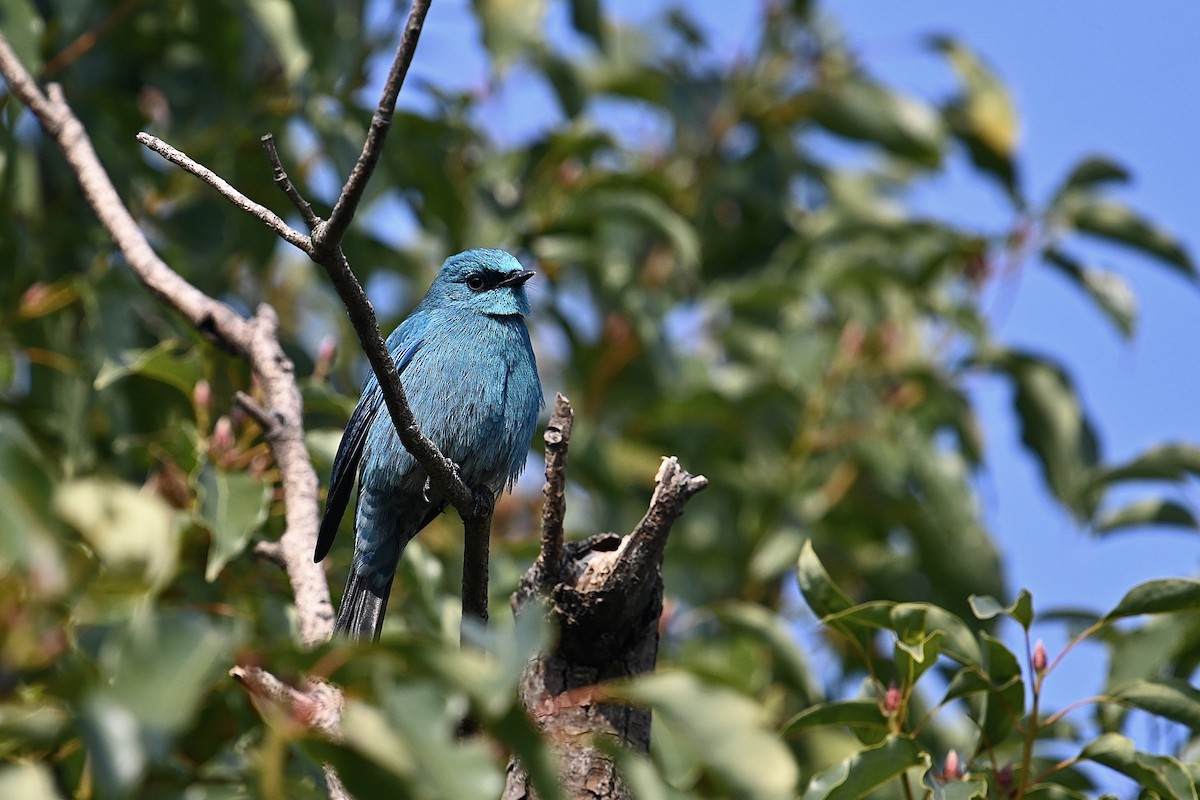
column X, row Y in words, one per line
column 487, row 281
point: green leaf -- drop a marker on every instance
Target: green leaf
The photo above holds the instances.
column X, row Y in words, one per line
column 1004, row 703
column 28, row 782
column 867, row 770
column 1091, row 173
column 1172, row 462
column 791, row 665
column 132, row 531
column 958, row 640
column 1161, row 596
column 586, row 18
column 111, row 733
column 859, row 109
column 1108, row 219
column 973, row 789
column 1111, row 292
column 24, row 28
column 1053, row 426
column 828, row 601
column 984, row 117
column 161, row 363
column 26, row 490
column 512, row 29
column 820, row 592
column 851, row 713
column 277, row 19
column 1151, row 511
column 232, row 505
column 160, row 667
column 986, row 607
column 1170, row 698
column 1160, row 774
column 727, row 731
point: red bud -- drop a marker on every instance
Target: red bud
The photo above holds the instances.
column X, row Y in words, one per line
column 1039, row 657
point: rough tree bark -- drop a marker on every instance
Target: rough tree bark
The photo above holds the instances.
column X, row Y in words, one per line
column 605, row 599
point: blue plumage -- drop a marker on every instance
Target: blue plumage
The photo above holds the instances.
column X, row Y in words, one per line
column 468, row 370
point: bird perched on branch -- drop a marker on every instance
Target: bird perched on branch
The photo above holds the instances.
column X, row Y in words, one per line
column 468, row 371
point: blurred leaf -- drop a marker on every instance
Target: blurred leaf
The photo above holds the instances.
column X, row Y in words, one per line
column 1052, row 791
column 1021, row 609
column 1151, row 511
column 161, row 363
column 512, row 29
column 35, row 724
column 1172, row 462
column 1170, row 698
column 726, row 730
column 851, row 713
column 791, row 665
column 26, row 490
column 1116, row 222
column 1108, row 290
column 859, row 109
column 23, row 27
column 1162, row 596
column 867, row 770
column 115, row 749
column 232, row 505
column 132, row 531
column 586, row 18
column 160, row 667
column 1053, row 426
column 1160, row 774
column 277, row 19
column 984, row 116
column 27, row 782
column 963, row 789
column 1091, row 173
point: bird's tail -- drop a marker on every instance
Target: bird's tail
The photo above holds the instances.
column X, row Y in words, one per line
column 361, row 615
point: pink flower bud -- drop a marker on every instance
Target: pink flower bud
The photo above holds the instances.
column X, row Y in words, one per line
column 891, row 699
column 1039, row 657
column 1004, row 778
column 952, row 771
column 222, row 436
column 201, row 395
column 327, row 349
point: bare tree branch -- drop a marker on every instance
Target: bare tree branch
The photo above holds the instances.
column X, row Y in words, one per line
column 255, row 339
column 605, row 601
column 280, row 176
column 265, row 215
column 329, row 235
column 554, row 504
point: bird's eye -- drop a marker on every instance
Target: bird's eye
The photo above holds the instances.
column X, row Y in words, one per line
column 475, row 283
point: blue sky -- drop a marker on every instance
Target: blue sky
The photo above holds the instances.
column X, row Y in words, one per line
column 1115, row 78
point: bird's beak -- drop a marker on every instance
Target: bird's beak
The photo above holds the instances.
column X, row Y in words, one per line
column 516, row 279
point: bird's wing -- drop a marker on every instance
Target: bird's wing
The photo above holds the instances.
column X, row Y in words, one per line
column 350, row 450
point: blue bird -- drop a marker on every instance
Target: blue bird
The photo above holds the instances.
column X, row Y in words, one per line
column 469, row 374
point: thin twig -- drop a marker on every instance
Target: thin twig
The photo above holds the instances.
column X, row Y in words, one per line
column 259, row 414
column 280, row 176
column 554, row 503
column 255, row 339
column 265, row 215
column 329, row 235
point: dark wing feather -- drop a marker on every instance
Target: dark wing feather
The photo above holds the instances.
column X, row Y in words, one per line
column 349, row 454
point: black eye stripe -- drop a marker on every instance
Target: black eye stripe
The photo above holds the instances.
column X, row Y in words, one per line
column 483, row 280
